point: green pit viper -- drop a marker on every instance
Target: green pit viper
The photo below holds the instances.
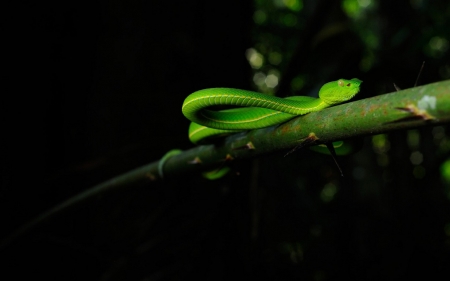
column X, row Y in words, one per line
column 254, row 111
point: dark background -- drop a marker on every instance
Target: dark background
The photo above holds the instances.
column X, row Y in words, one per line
column 96, row 90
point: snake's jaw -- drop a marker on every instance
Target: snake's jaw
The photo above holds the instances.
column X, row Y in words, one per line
column 339, row 91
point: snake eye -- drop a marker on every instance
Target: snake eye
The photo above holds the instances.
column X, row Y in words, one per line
column 341, row 83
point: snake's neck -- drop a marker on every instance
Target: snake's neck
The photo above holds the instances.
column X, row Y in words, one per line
column 305, row 104
column 316, row 105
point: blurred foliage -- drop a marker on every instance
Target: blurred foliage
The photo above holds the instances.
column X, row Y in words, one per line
column 396, row 179
column 278, row 25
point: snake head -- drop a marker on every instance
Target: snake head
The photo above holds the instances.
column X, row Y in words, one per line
column 339, row 91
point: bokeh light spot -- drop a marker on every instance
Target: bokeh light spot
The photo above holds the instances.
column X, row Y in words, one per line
column 289, row 20
column 438, row 132
column 416, row 158
column 438, row 43
column 413, row 139
column 293, row 5
column 364, row 3
column 380, row 143
column 445, row 171
column 255, row 59
column 275, row 58
column 328, row 192
column 437, row 46
column 350, row 7
column 259, row 78
column 259, row 16
column 354, row 8
column 271, row 81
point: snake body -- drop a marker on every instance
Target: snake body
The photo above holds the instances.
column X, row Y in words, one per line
column 255, row 110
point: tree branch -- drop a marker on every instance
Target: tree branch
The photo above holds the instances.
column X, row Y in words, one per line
column 406, row 109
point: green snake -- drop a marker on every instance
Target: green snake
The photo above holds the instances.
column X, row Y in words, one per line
column 255, row 110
